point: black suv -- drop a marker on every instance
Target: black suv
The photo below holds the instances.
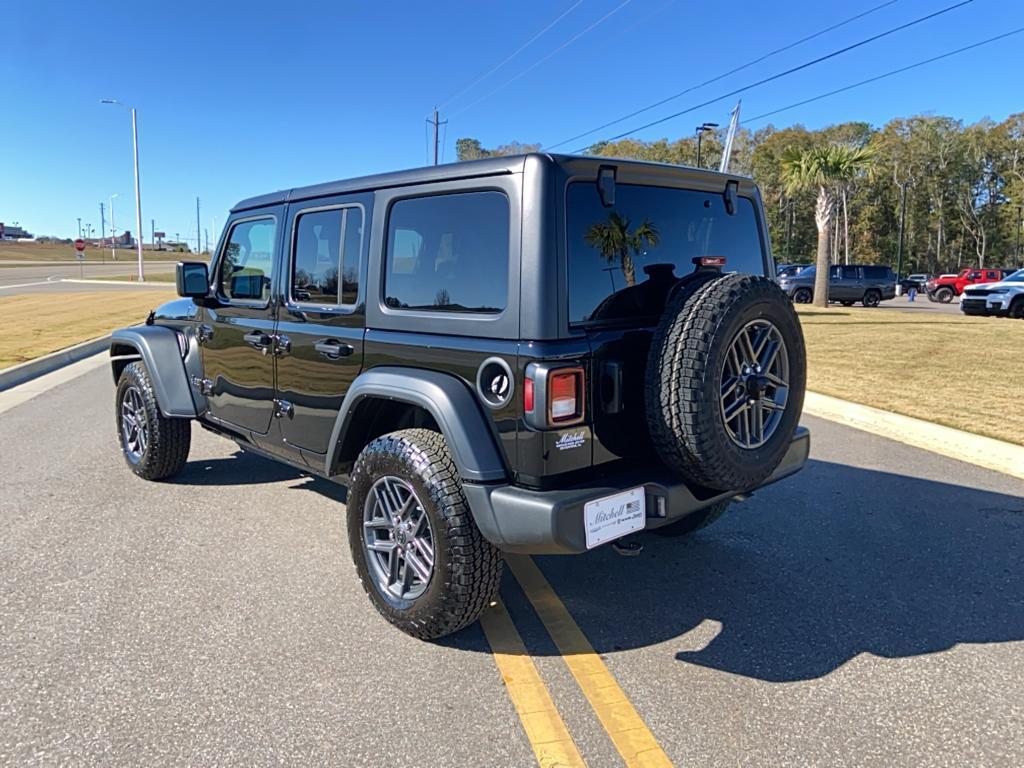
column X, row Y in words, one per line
column 533, row 354
column 847, row 284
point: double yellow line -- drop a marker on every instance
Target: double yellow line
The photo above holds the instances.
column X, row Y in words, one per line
column 549, row 738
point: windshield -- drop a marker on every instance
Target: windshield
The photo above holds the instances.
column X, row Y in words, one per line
column 623, row 260
column 1016, row 277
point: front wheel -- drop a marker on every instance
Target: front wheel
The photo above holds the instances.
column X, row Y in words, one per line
column 1017, row 308
column 872, row 298
column 945, row 295
column 418, row 553
column 802, row 296
column 154, row 446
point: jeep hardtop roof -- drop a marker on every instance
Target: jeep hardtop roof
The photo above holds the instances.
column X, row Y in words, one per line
column 463, row 170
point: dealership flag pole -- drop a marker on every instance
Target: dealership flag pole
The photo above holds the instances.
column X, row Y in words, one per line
column 734, row 123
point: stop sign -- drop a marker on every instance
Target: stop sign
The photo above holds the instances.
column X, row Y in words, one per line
column 79, row 244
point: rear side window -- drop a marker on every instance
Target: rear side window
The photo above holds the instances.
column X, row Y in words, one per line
column 325, row 268
column 844, row 273
column 624, row 259
column 448, row 253
column 246, row 267
column 878, row 273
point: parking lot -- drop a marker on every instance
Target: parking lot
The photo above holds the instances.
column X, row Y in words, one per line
column 868, row 612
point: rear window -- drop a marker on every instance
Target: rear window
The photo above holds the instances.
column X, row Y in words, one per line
column 448, row 253
column 624, row 259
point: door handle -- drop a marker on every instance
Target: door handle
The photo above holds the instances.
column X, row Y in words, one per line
column 332, row 349
column 257, row 340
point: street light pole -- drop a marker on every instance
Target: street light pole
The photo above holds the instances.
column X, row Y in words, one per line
column 903, row 218
column 700, row 135
column 1020, row 222
column 138, row 194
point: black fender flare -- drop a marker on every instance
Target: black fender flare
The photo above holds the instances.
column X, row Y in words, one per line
column 157, row 347
column 447, row 399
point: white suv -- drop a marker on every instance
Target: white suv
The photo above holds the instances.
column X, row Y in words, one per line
column 1004, row 299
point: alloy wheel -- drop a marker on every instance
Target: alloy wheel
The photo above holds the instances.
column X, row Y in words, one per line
column 755, row 384
column 134, row 425
column 397, row 539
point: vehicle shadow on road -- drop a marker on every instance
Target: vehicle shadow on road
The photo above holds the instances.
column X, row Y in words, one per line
column 243, row 468
column 810, row 573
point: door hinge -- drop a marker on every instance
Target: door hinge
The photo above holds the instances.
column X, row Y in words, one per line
column 204, row 333
column 283, row 408
column 282, row 344
column 205, row 386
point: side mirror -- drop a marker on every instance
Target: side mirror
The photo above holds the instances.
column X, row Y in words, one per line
column 192, row 279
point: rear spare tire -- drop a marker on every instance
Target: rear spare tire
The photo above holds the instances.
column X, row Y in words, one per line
column 725, row 382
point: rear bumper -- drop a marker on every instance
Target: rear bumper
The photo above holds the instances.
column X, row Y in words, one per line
column 551, row 522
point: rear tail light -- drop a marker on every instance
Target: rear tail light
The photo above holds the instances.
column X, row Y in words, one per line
column 528, row 395
column 565, row 396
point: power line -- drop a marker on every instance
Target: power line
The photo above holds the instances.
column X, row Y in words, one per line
column 511, row 56
column 536, row 64
column 890, row 73
column 733, row 71
column 791, row 70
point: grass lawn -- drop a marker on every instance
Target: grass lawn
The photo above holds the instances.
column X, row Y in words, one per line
column 963, row 372
column 38, row 323
column 13, row 251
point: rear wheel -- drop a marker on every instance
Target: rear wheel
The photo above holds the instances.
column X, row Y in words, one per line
column 945, row 295
column 802, row 296
column 871, row 298
column 418, row 553
column 154, row 447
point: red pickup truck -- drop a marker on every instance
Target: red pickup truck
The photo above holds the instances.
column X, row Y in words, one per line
column 945, row 287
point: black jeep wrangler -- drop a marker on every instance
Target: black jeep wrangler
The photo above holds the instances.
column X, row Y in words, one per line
column 535, row 354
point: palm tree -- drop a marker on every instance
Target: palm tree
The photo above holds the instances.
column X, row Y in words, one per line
column 830, row 170
column 615, row 241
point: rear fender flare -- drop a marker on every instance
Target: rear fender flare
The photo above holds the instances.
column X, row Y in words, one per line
column 157, row 347
column 447, row 399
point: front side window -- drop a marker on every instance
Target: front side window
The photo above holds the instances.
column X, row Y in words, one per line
column 325, row 267
column 247, row 264
column 623, row 260
column 448, row 253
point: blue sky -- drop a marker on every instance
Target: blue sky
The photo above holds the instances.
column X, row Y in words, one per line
column 236, row 99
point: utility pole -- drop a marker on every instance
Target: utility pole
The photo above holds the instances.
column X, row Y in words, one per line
column 152, row 233
column 206, row 234
column 103, row 225
column 437, row 123
column 199, row 233
column 79, row 227
column 903, row 218
column 1020, row 221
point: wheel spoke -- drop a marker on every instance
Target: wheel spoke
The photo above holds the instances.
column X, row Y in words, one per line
column 735, row 409
column 376, row 523
column 425, row 549
column 384, row 546
column 769, row 353
column 748, row 349
column 729, row 385
column 394, row 562
column 418, row 567
column 757, row 421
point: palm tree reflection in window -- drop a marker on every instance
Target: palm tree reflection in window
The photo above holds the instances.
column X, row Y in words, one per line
column 618, row 244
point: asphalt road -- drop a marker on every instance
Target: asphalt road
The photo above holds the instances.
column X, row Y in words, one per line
column 48, row 277
column 868, row 612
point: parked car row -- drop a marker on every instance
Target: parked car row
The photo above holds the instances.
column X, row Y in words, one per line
column 847, row 284
column 1004, row 298
column 945, row 288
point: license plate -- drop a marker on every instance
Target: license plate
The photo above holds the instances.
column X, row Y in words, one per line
column 614, row 516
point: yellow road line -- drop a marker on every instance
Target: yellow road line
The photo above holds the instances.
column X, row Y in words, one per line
column 548, row 736
column 628, row 732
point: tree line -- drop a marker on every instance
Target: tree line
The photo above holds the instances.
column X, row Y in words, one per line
column 963, row 184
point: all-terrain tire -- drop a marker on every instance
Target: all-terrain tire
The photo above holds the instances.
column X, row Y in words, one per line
column 683, row 387
column 692, row 523
column 467, row 568
column 167, row 441
column 945, row 295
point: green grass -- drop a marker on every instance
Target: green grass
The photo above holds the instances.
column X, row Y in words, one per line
column 963, row 372
column 152, row 277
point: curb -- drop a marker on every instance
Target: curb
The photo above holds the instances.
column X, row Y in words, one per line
column 985, row 452
column 32, row 369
